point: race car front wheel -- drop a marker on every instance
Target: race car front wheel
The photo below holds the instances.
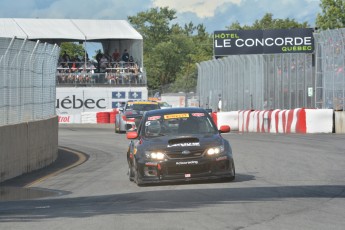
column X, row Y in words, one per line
column 130, row 172
column 137, row 177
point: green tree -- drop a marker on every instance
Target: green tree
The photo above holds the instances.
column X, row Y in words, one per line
column 268, row 22
column 72, row 49
column 171, row 51
column 153, row 25
column 332, row 15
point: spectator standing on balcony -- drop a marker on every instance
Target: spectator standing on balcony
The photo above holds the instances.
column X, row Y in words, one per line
column 103, row 63
column 116, row 55
column 131, row 61
column 125, row 56
column 67, row 59
column 98, row 59
column 77, row 61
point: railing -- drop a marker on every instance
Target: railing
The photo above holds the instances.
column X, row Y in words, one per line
column 109, row 73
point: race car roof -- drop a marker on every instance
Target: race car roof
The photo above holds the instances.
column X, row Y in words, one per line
column 142, row 102
column 67, row 29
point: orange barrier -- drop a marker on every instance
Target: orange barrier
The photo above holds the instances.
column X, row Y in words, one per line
column 112, row 116
column 103, row 117
column 214, row 117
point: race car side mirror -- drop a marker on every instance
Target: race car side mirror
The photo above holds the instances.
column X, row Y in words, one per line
column 224, row 129
column 132, row 135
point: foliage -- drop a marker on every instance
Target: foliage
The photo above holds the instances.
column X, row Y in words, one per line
column 268, row 22
column 171, row 51
column 72, row 49
column 332, row 16
column 153, row 25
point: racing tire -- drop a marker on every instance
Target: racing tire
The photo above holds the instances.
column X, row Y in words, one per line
column 130, row 172
column 232, row 178
column 233, row 172
column 136, row 177
column 116, row 129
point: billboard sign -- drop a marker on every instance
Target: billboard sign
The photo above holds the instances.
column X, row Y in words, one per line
column 234, row 42
column 72, row 101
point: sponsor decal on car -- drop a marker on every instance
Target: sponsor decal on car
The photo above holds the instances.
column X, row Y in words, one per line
column 153, row 118
column 180, row 115
column 221, row 158
column 184, row 144
column 187, row 162
column 151, row 163
column 198, row 114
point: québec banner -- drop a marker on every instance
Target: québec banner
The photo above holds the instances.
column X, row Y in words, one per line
column 234, row 42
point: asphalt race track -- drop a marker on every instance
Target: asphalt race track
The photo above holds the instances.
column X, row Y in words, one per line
column 282, row 182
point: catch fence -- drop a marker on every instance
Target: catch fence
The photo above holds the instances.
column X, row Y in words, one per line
column 27, row 80
column 277, row 81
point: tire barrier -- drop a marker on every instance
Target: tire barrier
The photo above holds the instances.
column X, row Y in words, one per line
column 113, row 116
column 103, row 117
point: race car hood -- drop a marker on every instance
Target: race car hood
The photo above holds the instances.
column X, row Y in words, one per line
column 192, row 142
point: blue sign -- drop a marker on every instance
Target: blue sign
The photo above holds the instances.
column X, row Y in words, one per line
column 134, row 95
column 117, row 104
column 118, row 94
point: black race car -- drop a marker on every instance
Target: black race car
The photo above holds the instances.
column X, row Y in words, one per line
column 178, row 144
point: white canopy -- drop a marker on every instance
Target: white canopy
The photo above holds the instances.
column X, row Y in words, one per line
column 67, row 29
column 112, row 34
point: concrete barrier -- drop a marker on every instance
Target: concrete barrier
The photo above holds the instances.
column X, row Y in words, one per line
column 339, row 121
column 27, row 147
column 319, row 120
column 287, row 121
column 228, row 118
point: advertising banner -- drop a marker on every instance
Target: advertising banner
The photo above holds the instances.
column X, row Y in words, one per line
column 74, row 101
column 234, row 42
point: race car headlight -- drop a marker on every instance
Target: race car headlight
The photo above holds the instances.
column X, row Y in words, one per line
column 215, row 150
column 154, row 155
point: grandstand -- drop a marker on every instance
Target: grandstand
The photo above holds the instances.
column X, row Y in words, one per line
column 80, row 84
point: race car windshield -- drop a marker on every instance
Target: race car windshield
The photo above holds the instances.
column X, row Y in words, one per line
column 142, row 107
column 179, row 124
column 145, row 107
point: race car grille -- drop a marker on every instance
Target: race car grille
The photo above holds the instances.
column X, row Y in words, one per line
column 180, row 154
column 182, row 169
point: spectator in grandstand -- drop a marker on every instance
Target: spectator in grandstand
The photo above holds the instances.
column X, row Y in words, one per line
column 125, row 56
column 131, row 61
column 98, row 59
column 77, row 61
column 103, row 63
column 66, row 57
column 108, row 56
column 116, row 56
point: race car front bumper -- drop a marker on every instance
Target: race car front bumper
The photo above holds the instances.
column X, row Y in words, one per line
column 186, row 170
